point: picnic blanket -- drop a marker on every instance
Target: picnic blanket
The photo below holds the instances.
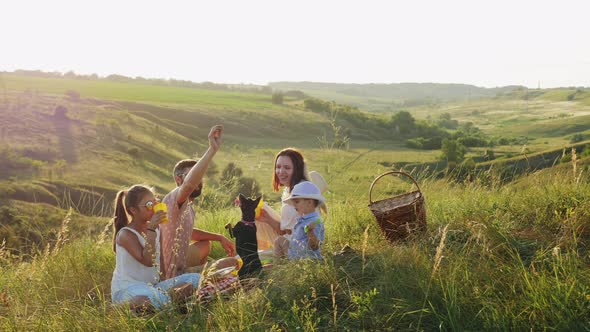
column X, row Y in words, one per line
column 217, row 283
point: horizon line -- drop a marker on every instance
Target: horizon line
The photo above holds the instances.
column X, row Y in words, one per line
column 62, row 74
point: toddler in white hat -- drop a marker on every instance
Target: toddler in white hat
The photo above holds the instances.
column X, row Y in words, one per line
column 308, row 232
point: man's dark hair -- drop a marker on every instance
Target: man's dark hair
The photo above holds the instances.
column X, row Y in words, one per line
column 181, row 165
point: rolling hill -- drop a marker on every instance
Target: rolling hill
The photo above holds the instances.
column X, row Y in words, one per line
column 386, row 97
column 77, row 142
column 495, row 256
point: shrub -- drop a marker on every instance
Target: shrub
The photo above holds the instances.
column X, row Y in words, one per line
column 415, row 143
column 248, row 187
column 577, row 138
column 133, row 152
column 432, row 143
column 233, row 183
column 566, row 158
column 212, row 169
column 73, row 95
column 445, row 121
column 60, row 112
column 229, row 173
column 403, row 123
column 277, row 98
column 316, row 105
column 13, row 162
column 452, row 150
column 295, row 94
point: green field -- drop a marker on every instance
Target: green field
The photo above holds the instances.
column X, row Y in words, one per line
column 496, row 256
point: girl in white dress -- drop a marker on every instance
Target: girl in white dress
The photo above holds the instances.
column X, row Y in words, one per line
column 136, row 279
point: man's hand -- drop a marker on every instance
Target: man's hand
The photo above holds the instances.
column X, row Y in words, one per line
column 215, row 137
column 228, row 246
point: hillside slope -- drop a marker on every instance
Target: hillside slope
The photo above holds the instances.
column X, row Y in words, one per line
column 381, row 97
column 62, row 148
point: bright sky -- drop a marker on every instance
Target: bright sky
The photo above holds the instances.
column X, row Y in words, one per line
column 486, row 43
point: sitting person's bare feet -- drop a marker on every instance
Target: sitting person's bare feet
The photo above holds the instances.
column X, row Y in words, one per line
column 181, row 293
column 141, row 305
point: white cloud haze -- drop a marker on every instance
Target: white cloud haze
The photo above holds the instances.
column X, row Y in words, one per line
column 486, row 43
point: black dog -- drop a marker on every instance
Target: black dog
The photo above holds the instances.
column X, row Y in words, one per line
column 245, row 234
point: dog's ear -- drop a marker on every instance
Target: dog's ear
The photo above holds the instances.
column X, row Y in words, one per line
column 229, row 229
column 242, row 199
column 257, row 200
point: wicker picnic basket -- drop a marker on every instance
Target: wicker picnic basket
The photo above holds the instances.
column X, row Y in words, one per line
column 402, row 215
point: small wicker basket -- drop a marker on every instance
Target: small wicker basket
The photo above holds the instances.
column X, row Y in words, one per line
column 402, row 215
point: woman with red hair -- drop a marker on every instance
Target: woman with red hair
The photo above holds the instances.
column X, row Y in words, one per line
column 289, row 170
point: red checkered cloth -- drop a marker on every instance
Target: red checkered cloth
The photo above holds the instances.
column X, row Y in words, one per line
column 217, row 286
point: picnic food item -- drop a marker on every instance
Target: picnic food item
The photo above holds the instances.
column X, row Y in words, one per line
column 240, row 263
column 162, row 207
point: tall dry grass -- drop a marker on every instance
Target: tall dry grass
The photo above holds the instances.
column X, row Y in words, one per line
column 513, row 257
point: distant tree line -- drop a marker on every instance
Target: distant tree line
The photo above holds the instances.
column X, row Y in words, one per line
column 252, row 88
column 278, row 96
column 408, row 93
column 443, row 133
column 430, row 134
column 342, row 119
column 345, row 113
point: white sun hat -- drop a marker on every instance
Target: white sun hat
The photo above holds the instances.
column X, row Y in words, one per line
column 318, row 180
column 306, row 189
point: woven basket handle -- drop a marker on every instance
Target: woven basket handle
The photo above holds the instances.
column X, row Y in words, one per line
column 387, row 173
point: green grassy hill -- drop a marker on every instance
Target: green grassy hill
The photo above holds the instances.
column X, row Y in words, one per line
column 496, row 256
column 544, row 119
column 114, row 127
column 387, row 97
column 116, row 134
column 513, row 257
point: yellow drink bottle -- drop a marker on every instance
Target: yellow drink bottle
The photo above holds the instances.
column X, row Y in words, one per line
column 162, row 207
column 259, row 208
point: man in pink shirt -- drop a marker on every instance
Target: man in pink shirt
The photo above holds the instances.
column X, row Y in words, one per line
column 178, row 232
